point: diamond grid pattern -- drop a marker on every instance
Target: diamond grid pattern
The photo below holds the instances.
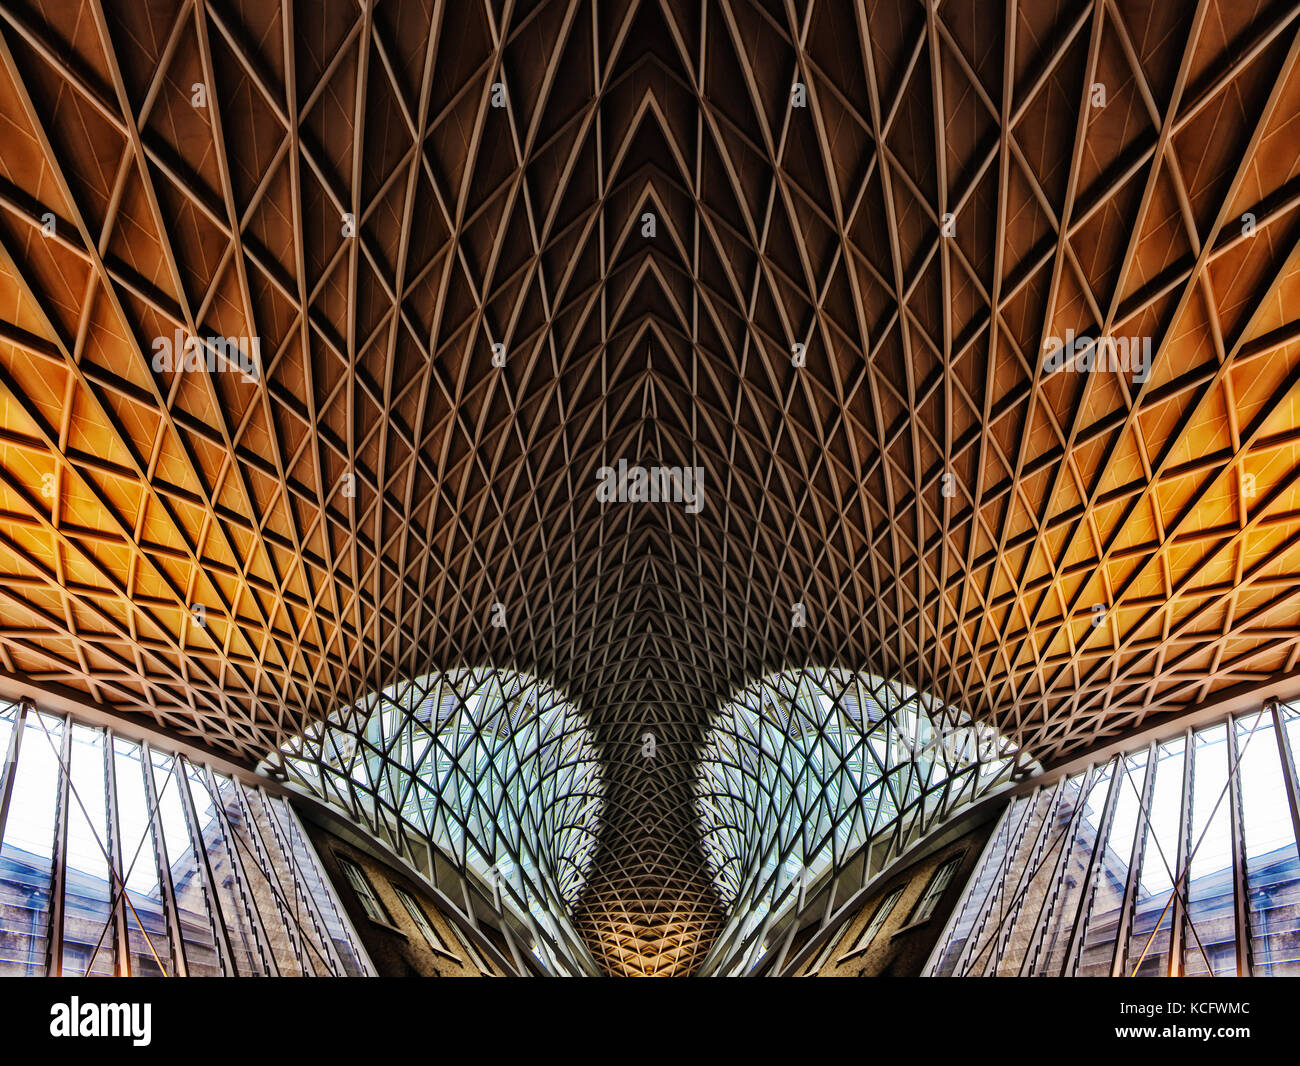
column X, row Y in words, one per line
column 494, row 770
column 806, row 767
column 348, row 519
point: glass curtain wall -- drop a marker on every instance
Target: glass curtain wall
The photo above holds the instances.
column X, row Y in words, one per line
column 119, row 858
column 1176, row 859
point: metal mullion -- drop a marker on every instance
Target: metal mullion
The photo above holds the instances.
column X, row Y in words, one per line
column 866, row 861
column 1026, row 877
column 1288, row 772
column 179, row 961
column 122, row 953
column 999, row 885
column 1009, row 901
column 549, row 958
column 114, row 879
column 1123, row 929
column 300, row 908
column 1177, row 932
column 221, row 934
column 287, row 919
column 296, row 872
column 469, row 904
column 520, row 968
column 786, row 941
column 725, row 943
column 1048, row 907
column 751, row 956
column 241, row 883
column 998, row 888
column 1238, row 854
column 58, row 885
column 345, row 923
column 954, row 916
column 1088, row 888
column 9, row 772
column 476, row 958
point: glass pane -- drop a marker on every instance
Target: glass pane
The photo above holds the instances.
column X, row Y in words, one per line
column 1069, row 892
column 263, row 893
column 1111, row 878
column 990, row 939
column 225, row 877
column 977, row 893
column 1023, row 933
column 8, row 715
column 1272, row 873
column 148, row 941
column 88, row 933
column 26, row 855
column 316, row 883
column 1210, row 942
column 1148, row 947
column 192, row 903
column 299, row 909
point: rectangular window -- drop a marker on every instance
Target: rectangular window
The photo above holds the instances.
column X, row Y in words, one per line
column 365, row 891
column 877, row 920
column 475, row 958
column 934, row 890
column 421, row 920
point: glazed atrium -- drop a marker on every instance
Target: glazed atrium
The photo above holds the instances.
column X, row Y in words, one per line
column 771, row 488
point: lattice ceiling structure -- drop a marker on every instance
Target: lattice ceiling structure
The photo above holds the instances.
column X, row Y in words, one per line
column 806, row 767
column 236, row 559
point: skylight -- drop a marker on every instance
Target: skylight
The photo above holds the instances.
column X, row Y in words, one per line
column 492, row 767
column 802, row 768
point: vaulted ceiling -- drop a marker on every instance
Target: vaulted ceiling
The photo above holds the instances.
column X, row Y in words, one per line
column 868, row 218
